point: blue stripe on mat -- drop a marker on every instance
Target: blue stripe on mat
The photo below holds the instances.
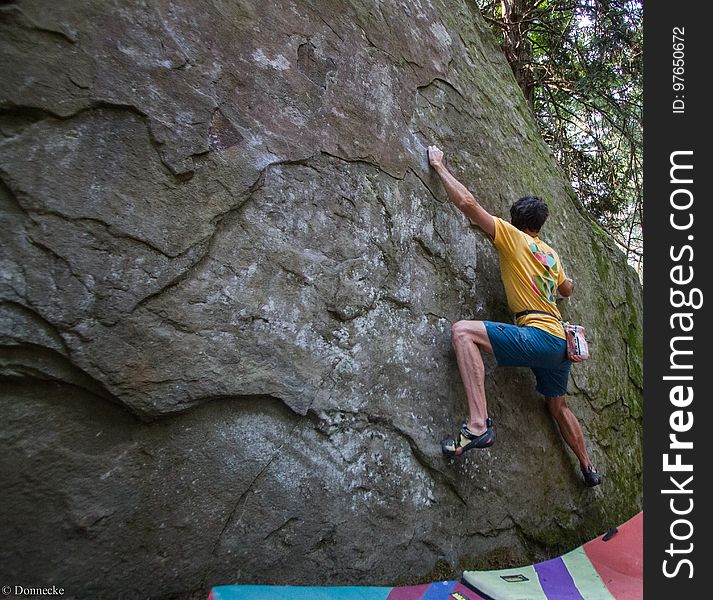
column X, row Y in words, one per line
column 275, row 592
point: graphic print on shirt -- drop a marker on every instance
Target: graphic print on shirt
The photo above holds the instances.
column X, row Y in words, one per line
column 546, row 284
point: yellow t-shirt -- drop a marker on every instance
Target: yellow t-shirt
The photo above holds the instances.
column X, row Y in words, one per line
column 531, row 273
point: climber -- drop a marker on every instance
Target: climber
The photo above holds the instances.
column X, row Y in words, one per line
column 532, row 274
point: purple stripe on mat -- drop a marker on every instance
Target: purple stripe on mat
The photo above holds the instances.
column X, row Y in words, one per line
column 556, row 581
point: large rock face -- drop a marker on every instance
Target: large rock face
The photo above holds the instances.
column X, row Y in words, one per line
column 228, row 281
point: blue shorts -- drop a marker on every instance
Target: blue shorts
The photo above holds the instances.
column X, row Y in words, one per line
column 543, row 352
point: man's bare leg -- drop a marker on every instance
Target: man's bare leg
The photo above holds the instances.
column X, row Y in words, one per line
column 569, row 428
column 468, row 339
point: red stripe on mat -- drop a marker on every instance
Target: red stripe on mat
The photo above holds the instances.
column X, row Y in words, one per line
column 620, row 561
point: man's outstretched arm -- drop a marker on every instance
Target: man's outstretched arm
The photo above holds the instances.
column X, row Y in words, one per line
column 459, row 194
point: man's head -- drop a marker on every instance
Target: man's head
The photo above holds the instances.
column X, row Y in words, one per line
column 529, row 213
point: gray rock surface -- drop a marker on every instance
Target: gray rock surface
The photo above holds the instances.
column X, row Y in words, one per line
column 228, row 279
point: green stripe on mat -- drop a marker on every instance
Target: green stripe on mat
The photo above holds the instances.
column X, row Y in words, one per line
column 585, row 576
column 513, row 587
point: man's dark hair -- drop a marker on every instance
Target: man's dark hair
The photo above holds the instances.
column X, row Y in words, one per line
column 530, row 213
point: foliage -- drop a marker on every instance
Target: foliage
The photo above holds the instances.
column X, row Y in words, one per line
column 579, row 64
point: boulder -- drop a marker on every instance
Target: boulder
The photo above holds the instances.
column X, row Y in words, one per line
column 228, row 280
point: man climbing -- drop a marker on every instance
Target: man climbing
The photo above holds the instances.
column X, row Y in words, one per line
column 532, row 275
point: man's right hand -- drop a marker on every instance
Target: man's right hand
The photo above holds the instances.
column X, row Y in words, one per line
column 435, row 156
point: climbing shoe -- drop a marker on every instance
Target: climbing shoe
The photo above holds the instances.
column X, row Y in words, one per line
column 591, row 477
column 466, row 440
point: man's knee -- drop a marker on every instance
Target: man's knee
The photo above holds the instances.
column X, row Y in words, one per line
column 460, row 330
column 474, row 332
column 557, row 406
column 467, row 331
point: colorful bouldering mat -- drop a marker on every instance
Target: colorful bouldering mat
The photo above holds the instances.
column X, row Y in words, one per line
column 609, row 567
column 440, row 590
